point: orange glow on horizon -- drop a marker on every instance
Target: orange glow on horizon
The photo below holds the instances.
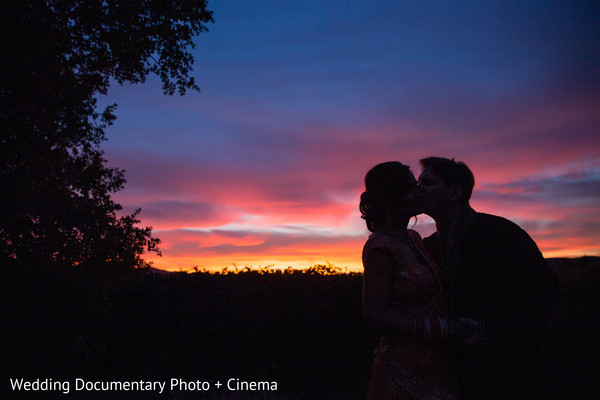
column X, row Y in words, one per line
column 346, row 258
column 275, row 262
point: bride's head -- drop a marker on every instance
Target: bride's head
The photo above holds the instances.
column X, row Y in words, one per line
column 390, row 198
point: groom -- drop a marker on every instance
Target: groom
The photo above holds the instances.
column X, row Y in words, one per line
column 496, row 276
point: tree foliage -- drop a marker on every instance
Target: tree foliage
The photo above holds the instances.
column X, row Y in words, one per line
column 58, row 56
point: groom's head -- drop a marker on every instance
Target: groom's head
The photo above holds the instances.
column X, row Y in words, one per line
column 445, row 183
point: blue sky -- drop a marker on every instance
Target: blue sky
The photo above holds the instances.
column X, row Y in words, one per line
column 299, row 99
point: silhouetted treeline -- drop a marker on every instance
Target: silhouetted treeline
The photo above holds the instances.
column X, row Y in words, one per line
column 302, row 329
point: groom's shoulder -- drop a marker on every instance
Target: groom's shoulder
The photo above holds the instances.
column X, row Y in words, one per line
column 491, row 221
column 500, row 229
column 431, row 240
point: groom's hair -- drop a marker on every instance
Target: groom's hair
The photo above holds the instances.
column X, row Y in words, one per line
column 452, row 173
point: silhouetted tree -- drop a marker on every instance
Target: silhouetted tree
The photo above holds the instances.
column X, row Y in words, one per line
column 57, row 57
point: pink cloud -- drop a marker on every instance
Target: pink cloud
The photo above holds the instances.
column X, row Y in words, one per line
column 218, row 248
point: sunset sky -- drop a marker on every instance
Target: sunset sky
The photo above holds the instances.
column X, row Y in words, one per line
column 299, row 99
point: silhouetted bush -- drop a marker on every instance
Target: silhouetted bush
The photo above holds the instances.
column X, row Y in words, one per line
column 302, row 329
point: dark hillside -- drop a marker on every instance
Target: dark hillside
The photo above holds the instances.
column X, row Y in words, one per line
column 303, row 330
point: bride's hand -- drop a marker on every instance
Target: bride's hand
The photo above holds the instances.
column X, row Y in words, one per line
column 476, row 343
column 462, row 329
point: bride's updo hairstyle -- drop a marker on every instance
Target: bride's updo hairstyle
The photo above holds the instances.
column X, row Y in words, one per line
column 385, row 185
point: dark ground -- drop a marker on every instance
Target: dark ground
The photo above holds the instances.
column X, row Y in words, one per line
column 303, row 330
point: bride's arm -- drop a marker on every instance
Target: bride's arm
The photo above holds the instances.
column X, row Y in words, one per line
column 381, row 318
column 378, row 314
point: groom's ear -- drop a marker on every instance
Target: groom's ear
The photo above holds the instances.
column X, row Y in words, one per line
column 456, row 192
